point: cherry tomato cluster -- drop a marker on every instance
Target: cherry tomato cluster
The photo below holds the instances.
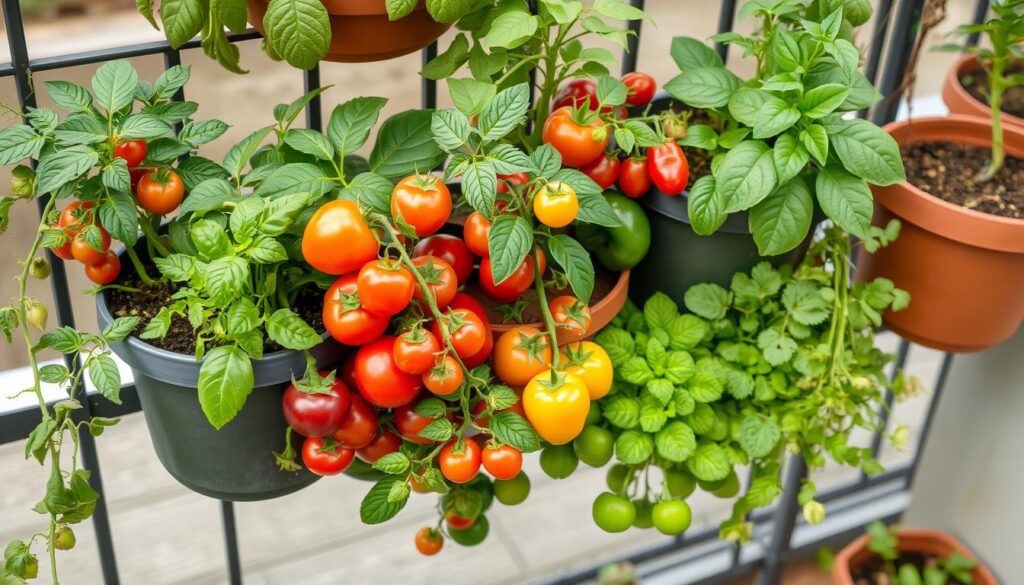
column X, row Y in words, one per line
column 85, row 240
column 159, row 190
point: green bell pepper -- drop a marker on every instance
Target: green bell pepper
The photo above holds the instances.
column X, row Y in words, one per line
column 623, row 247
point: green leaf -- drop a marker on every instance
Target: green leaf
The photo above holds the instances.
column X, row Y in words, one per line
column 511, row 429
column 759, row 435
column 619, row 10
column 678, row 365
column 377, row 507
column 225, row 381
column 480, row 186
column 510, row 240
column 81, row 129
column 182, row 20
column 611, row 91
column 120, row 328
column 594, row 206
column 659, row 311
column 104, row 375
column 815, row 140
column 114, row 83
column 575, row 263
column 511, row 27
column 55, row 373
column 823, row 100
column 298, row 30
column 745, row 176
column 18, row 143
column 690, row 53
column 438, row 430
column 158, row 325
column 705, row 207
column 70, row 96
column 446, row 11
column 59, row 167
column 676, row 442
column 210, row 239
column 623, row 412
column 775, row 116
column 617, row 342
column 371, row 191
column 504, row 113
column 790, row 157
column 700, row 136
column 705, row 386
column 399, row 8
column 451, row 129
column 448, row 62
column 709, row 87
column 636, row 371
column 144, row 126
column 652, row 415
column 845, row 199
column 63, row 340
column 866, row 151
column 709, row 463
column 392, row 463
column 782, row 220
column 470, row 96
column 508, row 159
column 115, row 175
column 295, row 179
column 633, row 447
column 288, row 330
column 686, row 331
column 196, row 133
column 405, row 145
column 281, row 212
column 662, row 390
column 209, row 194
column 226, row 279
column 562, row 11
column 242, row 316
column 351, row 123
column 708, row 300
column 171, row 80
column 310, row 142
column 778, row 348
column 236, row 158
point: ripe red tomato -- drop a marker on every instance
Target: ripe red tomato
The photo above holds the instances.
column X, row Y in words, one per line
column 429, row 541
column 380, row 381
column 326, row 460
column 464, row 301
column 160, row 191
column 63, row 251
column 386, row 442
column 451, row 249
column 422, row 201
column 467, row 331
column 316, row 414
column 514, row 180
column 641, row 88
column 512, row 287
column 634, row 180
column 668, row 168
column 136, row 176
column 385, row 287
column 414, row 351
column 476, row 230
column 104, row 272
column 409, row 423
column 337, row 240
column 132, row 151
column 445, row 377
column 85, row 253
column 76, row 217
column 346, row 319
column 570, row 314
column 575, row 93
column 502, row 462
column 440, row 277
column 462, row 466
column 457, row 522
column 579, row 139
column 358, row 427
column 604, row 170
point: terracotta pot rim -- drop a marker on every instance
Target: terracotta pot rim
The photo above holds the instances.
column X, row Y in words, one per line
column 954, row 92
column 949, row 220
column 912, row 540
column 356, row 7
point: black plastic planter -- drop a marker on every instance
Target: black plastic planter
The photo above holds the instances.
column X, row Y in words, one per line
column 236, row 462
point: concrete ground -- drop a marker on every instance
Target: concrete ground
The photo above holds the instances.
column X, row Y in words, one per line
column 165, row 534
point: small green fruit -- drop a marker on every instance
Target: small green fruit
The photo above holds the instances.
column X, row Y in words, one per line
column 64, row 538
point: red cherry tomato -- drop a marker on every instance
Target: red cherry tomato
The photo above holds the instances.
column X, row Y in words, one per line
column 386, row 442
column 502, row 462
column 106, row 271
column 385, row 287
column 515, row 180
column 641, row 88
column 316, row 414
column 346, row 319
column 570, row 313
column 579, row 142
column 451, row 249
column 358, row 427
column 445, row 377
column 634, row 180
column 409, row 423
column 467, row 331
column 76, row 217
column 323, row 460
column 476, row 231
column 337, row 240
column 429, row 541
column 604, row 170
column 575, row 93
column 63, row 251
column 422, row 201
column 415, row 351
column 132, row 151
column 440, row 277
column 136, row 176
column 161, row 191
column 512, row 287
column 668, row 168
column 462, row 466
column 380, row 381
column 464, row 301
column 86, row 254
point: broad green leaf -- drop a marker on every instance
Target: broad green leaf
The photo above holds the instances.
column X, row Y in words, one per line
column 182, row 20
column 288, row 330
column 575, row 263
column 709, row 462
column 113, row 84
column 120, row 328
column 405, row 145
column 448, row 62
column 745, row 104
column 58, row 167
column 70, row 96
column 815, row 139
column 511, row 429
column 377, row 507
column 225, row 381
column 704, row 207
column 310, row 142
column 707, row 300
column 676, row 442
column 623, row 412
column 790, row 157
column 144, row 126
column 371, row 191
column 511, row 28
column 201, row 132
column 866, row 151
column 823, row 100
column 81, row 129
column 18, row 143
column 298, row 30
column 104, row 375
column 120, row 217
column 115, row 175
column 451, row 129
column 508, row 159
column 236, row 158
column 480, row 187
column 470, row 96
column 210, row 239
column 690, row 53
column 634, row 447
column 510, row 240
column 171, row 80
column 446, row 11
column 778, row 348
column 226, row 278
column 745, row 176
column 399, row 8
column 845, row 199
column 208, row 195
column 231, row 13
column 775, row 116
column 709, row 87
column 504, row 113
column 295, row 178
column 781, row 221
column 351, row 123
column 619, row 10
column 759, row 435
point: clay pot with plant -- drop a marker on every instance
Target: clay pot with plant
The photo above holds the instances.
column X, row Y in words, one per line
column 961, row 252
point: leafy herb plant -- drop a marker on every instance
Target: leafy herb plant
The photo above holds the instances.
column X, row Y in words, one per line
column 884, row 542
column 782, row 145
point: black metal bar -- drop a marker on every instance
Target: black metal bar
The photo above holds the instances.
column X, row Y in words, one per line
column 314, row 111
column 933, row 407
column 227, row 512
column 428, row 87
column 980, row 12
column 878, row 33
column 885, row 410
column 904, row 29
column 726, row 17
column 783, row 522
column 630, row 55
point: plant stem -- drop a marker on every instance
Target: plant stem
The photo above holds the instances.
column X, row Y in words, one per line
column 995, row 103
column 139, row 268
column 153, row 238
column 545, row 311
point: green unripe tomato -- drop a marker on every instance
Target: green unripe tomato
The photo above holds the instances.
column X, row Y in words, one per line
column 40, row 269
column 594, row 446
column 643, row 518
column 618, row 477
column 513, row 491
column 482, row 485
column 64, row 538
column 613, row 513
column 729, row 488
column 558, row 461
column 680, row 483
column 474, row 534
column 672, row 517
column 594, row 414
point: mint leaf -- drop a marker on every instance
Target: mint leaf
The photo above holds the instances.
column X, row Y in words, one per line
column 623, row 412
column 636, row 371
column 759, row 435
column 709, row 463
column 392, row 463
column 661, row 390
column 686, row 331
column 399, row 8
column 652, row 416
column 377, row 506
column 298, row 30
column 676, row 442
column 708, row 300
column 511, row 429
column 705, row 207
column 679, row 366
column 660, row 311
column 634, row 447
column 617, row 343
column 777, row 347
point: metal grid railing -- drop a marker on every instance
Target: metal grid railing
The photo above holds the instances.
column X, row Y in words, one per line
column 892, row 34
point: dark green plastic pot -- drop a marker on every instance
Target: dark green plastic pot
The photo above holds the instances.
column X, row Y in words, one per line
column 236, row 462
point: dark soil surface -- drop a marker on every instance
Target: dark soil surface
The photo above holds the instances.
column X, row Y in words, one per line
column 949, row 171
column 698, row 159
column 976, row 84
column 875, row 572
column 180, row 337
column 604, row 281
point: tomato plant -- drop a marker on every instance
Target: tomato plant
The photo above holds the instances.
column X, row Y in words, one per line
column 326, row 459
column 502, row 462
column 604, row 170
column 415, row 350
column 642, row 88
column 634, row 178
column 104, row 272
column 385, row 287
column 555, row 204
column 429, row 541
column 380, row 381
column 465, row 329
column 160, row 191
column 409, row 423
column 444, row 377
column 337, row 240
column 460, row 461
column 316, row 412
column 440, row 278
column 557, row 406
column 570, row 314
column 451, row 249
column 422, row 201
column 520, row 354
column 132, row 151
column 512, row 287
column 476, row 231
column 83, row 251
column 344, row 316
column 383, row 444
column 580, row 137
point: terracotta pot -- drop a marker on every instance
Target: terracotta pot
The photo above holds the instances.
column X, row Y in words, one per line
column 933, row 542
column 959, row 101
column 964, row 269
column 601, row 313
column 361, row 31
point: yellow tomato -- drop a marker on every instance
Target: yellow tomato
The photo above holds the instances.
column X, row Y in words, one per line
column 556, row 410
column 520, row 354
column 591, row 363
column 556, row 205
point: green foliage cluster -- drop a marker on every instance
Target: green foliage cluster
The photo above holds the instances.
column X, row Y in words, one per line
column 885, row 541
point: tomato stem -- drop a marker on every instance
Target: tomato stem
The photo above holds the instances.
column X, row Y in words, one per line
column 549, row 321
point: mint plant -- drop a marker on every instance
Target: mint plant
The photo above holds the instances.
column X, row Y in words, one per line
column 782, row 145
column 782, row 361
column 884, row 542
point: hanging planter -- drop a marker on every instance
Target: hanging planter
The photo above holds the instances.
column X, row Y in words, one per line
column 912, row 544
column 960, row 100
column 964, row 269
